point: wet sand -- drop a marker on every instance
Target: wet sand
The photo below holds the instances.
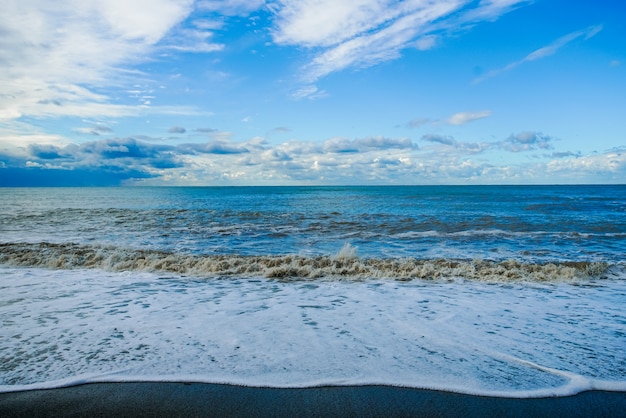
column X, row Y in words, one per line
column 198, row 399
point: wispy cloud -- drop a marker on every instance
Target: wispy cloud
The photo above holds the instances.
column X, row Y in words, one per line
column 52, row 52
column 462, row 118
column 362, row 33
column 230, row 7
column 545, row 51
column 96, row 130
column 177, row 130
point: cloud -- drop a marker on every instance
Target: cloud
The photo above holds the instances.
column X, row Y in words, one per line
column 216, row 147
column 47, row 152
column 206, row 130
column 230, row 7
column 368, row 160
column 362, row 33
column 196, row 37
column 462, row 118
column 417, row 122
column 545, row 51
column 440, row 139
column 96, row 130
column 279, row 130
column 101, row 162
column 215, row 134
column 343, row 145
column 51, row 52
column 177, row 130
column 463, row 148
column 527, row 141
column 520, row 142
column 309, row 92
column 426, row 42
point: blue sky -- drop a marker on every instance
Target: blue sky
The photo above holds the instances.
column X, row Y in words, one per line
column 252, row 92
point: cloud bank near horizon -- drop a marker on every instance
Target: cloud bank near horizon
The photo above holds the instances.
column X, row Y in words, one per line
column 435, row 159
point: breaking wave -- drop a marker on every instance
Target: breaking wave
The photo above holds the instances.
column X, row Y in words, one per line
column 345, row 265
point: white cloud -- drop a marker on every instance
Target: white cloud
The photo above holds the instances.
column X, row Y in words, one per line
column 426, row 42
column 545, row 51
column 462, row 118
column 230, row 7
column 361, row 33
column 309, row 92
column 369, row 160
column 53, row 51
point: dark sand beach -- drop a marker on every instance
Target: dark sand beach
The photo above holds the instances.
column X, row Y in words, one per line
column 213, row 400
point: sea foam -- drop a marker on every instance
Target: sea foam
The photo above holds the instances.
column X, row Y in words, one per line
column 345, row 265
column 62, row 327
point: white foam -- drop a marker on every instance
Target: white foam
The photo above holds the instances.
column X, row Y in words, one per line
column 65, row 327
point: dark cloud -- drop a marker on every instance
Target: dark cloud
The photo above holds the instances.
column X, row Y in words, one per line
column 103, row 163
column 206, row 130
column 177, row 130
column 47, row 152
column 123, row 148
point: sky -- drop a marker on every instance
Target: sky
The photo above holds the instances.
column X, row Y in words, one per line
column 312, row 92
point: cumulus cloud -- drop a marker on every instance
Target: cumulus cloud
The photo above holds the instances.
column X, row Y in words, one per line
column 545, row 51
column 369, row 160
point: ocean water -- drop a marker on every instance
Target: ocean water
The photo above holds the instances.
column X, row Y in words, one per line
column 496, row 290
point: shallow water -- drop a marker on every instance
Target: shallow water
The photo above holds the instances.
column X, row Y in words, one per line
column 507, row 291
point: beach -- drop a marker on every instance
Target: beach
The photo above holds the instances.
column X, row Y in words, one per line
column 199, row 399
column 497, row 293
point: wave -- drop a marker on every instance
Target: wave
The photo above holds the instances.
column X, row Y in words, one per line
column 345, row 265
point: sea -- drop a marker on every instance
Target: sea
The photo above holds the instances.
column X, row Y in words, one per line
column 512, row 291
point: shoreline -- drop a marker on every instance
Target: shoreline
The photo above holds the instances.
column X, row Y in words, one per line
column 171, row 399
